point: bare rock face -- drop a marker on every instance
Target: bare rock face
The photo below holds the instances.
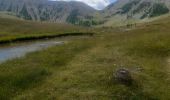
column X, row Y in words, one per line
column 123, row 76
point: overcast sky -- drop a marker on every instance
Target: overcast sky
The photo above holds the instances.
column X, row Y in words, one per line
column 97, row 4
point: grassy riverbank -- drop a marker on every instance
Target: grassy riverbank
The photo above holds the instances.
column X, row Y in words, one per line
column 83, row 68
column 12, row 30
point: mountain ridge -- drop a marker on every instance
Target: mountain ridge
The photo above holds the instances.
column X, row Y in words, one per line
column 44, row 10
column 135, row 10
column 79, row 13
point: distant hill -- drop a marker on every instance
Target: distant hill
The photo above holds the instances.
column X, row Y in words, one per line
column 119, row 11
column 45, row 10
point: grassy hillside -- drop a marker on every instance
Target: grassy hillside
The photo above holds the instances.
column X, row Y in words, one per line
column 125, row 12
column 13, row 29
column 84, row 68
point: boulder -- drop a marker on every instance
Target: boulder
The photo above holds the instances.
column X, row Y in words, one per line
column 123, row 76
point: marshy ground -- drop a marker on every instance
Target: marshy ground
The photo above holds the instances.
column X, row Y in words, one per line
column 83, row 69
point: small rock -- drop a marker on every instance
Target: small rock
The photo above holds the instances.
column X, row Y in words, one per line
column 123, row 76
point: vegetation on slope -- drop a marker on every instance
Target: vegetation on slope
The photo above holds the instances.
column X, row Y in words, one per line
column 159, row 9
column 127, row 7
column 144, row 6
column 83, row 69
column 88, row 21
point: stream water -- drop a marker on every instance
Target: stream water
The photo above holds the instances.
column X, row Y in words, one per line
column 20, row 49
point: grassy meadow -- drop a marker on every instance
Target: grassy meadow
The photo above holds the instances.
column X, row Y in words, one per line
column 83, row 69
column 18, row 30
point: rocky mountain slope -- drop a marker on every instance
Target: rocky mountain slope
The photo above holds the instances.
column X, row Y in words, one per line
column 45, row 10
column 123, row 10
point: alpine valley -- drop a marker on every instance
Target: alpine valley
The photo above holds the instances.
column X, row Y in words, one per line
column 81, row 14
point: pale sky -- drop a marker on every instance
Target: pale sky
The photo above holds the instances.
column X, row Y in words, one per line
column 97, row 4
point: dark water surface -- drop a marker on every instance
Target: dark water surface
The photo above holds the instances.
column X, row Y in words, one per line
column 18, row 50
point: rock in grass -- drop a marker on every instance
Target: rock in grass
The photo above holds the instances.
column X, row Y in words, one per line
column 123, row 76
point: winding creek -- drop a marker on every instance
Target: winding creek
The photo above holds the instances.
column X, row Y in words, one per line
column 20, row 49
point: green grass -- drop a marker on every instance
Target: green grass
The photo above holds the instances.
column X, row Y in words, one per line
column 15, row 29
column 83, row 69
